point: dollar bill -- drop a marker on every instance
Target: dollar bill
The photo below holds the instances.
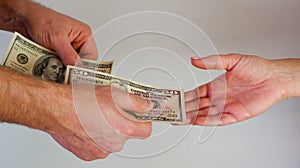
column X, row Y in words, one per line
column 104, row 67
column 168, row 103
column 27, row 57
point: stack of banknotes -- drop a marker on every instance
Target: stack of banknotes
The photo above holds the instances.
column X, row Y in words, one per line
column 29, row 58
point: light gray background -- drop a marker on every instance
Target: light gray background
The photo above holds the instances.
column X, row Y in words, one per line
column 269, row 28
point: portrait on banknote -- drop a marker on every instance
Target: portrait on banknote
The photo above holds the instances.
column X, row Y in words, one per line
column 49, row 67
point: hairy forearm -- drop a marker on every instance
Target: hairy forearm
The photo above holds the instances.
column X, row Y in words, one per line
column 30, row 102
column 288, row 71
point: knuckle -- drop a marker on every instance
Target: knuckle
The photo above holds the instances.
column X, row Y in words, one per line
column 87, row 27
column 102, row 155
column 140, row 104
column 195, row 93
column 87, row 32
column 115, row 147
column 140, row 130
column 147, row 131
column 118, row 147
column 235, row 56
column 129, row 130
column 87, row 158
column 134, row 100
column 57, row 37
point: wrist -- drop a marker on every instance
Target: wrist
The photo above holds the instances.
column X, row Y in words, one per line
column 288, row 73
column 33, row 103
column 52, row 107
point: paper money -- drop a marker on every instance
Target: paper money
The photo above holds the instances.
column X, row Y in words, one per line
column 104, row 67
column 32, row 59
column 168, row 103
column 25, row 56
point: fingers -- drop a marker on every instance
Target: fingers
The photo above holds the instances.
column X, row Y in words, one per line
column 199, row 92
column 217, row 62
column 68, row 48
column 210, row 115
column 202, row 112
column 200, row 107
column 84, row 149
column 125, row 127
column 66, row 52
column 89, row 49
column 91, row 152
column 119, row 125
column 131, row 102
column 217, row 120
column 130, row 126
column 197, row 104
column 69, row 55
column 137, row 130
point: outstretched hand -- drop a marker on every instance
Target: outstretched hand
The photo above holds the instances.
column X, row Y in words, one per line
column 249, row 87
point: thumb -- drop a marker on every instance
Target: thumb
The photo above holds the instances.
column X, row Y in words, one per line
column 67, row 53
column 216, row 62
column 89, row 50
column 130, row 102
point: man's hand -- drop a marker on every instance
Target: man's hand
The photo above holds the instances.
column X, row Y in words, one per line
column 61, row 33
column 92, row 131
column 90, row 121
column 250, row 86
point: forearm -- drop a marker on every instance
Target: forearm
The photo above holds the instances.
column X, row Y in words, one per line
column 28, row 101
column 288, row 72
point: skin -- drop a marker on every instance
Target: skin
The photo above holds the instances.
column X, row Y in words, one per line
column 252, row 85
column 50, row 107
column 250, row 80
column 72, row 36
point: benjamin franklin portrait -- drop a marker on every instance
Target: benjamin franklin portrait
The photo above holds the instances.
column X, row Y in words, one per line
column 50, row 68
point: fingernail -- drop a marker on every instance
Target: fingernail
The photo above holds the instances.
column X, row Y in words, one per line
column 79, row 63
column 195, row 58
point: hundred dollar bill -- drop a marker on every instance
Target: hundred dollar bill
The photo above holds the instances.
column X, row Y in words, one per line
column 104, row 67
column 168, row 103
column 25, row 56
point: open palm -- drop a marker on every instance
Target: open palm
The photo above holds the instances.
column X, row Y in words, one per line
column 249, row 87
